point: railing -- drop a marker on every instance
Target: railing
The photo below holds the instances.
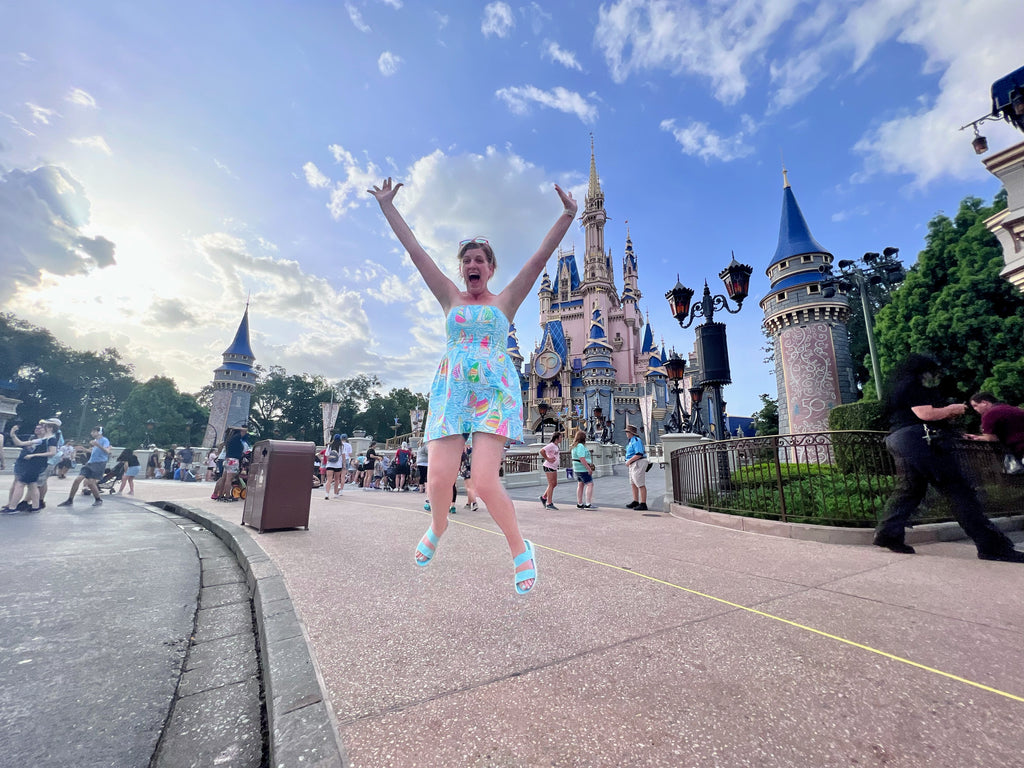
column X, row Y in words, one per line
column 824, row 478
column 532, row 462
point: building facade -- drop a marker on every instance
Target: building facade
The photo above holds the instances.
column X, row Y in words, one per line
column 596, row 366
column 813, row 369
column 233, row 384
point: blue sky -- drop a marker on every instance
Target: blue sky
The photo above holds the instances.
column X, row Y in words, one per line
column 161, row 162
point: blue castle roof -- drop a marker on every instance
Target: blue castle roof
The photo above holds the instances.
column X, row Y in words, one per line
column 240, row 345
column 795, row 238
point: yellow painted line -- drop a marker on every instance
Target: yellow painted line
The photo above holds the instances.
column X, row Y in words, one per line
column 763, row 614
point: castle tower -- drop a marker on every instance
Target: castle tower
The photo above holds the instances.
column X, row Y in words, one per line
column 233, row 384
column 598, row 374
column 812, row 352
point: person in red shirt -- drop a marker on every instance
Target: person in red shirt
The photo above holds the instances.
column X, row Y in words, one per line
column 999, row 422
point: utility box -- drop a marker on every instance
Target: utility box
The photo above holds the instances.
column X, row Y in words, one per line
column 280, row 485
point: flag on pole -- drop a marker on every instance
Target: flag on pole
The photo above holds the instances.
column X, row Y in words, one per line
column 330, row 411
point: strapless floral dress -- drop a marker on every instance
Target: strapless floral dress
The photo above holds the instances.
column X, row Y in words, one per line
column 476, row 387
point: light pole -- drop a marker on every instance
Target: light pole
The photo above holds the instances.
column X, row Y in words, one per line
column 712, row 347
column 875, row 269
column 675, row 367
column 542, row 409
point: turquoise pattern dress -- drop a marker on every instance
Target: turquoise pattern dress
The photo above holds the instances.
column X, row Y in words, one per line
column 476, row 387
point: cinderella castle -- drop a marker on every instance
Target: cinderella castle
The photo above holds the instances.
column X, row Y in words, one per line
column 233, row 384
column 597, row 366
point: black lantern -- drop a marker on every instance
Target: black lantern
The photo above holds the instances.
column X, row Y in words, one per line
column 679, row 301
column 675, row 367
column 737, row 280
column 542, row 409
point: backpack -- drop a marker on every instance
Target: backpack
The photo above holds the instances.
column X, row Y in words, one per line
column 403, row 458
column 332, row 456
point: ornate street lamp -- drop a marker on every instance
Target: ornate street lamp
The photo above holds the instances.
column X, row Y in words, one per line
column 675, row 367
column 542, row 409
column 874, row 269
column 696, row 421
column 712, row 347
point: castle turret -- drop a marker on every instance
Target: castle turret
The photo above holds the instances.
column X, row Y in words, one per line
column 812, row 353
column 545, row 295
column 233, row 384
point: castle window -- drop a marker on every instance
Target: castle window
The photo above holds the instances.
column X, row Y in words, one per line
column 806, row 259
column 810, row 289
column 781, row 296
column 783, row 265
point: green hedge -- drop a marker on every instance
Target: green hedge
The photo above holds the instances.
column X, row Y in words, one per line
column 864, row 414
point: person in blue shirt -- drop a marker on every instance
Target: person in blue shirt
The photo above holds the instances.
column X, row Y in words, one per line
column 92, row 471
column 636, row 460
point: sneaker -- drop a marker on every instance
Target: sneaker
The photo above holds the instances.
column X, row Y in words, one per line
column 426, row 505
column 641, row 507
column 97, row 502
column 468, row 506
column 633, row 505
column 1010, row 556
column 580, row 506
column 67, row 503
column 452, row 510
column 895, row 546
column 588, row 506
column 550, row 506
column 327, row 498
column 544, row 500
column 474, row 507
column 7, row 511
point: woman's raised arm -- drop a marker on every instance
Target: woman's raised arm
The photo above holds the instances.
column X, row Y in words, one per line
column 444, row 290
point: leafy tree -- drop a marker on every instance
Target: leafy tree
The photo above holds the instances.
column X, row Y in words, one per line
column 382, row 410
column 955, row 307
column 177, row 418
column 766, row 420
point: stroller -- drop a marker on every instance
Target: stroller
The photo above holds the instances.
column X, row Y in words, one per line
column 110, row 478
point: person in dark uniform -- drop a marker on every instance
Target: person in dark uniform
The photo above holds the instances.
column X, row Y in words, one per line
column 921, row 441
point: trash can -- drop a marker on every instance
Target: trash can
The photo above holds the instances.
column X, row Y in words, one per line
column 279, row 486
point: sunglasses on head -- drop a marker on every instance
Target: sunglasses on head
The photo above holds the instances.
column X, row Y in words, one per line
column 476, row 240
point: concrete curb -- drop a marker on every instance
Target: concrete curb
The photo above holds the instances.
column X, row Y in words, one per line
column 827, row 534
column 300, row 724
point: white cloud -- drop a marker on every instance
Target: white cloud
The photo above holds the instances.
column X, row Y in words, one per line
column 349, row 192
column 93, row 142
column 357, row 18
column 388, row 63
column 396, row 4
column 40, row 114
column 924, row 142
column 14, row 122
column 81, row 98
column 520, row 98
column 24, row 59
column 498, row 20
column 715, row 41
column 698, row 140
column 314, row 177
column 566, row 58
column 44, row 213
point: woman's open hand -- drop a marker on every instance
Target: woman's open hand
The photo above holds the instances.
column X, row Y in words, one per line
column 571, row 206
column 385, row 192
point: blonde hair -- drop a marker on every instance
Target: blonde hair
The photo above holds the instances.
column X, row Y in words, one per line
column 581, row 437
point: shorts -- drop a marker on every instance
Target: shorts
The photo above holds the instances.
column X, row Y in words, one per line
column 638, row 473
column 231, row 466
column 549, row 469
column 584, row 477
column 402, row 469
column 26, row 472
column 93, row 470
column 131, row 472
column 423, row 474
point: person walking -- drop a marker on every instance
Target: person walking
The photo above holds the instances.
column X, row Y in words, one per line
column 234, row 449
column 422, row 462
column 636, row 460
column 583, row 467
column 922, row 442
column 129, row 470
column 369, row 465
column 92, row 471
column 550, row 454
column 30, row 465
column 335, row 466
column 476, row 387
column 403, row 463
column 186, row 464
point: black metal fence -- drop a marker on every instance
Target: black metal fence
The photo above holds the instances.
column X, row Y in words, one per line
column 824, row 478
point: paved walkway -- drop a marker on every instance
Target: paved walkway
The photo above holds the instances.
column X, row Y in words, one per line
column 649, row 641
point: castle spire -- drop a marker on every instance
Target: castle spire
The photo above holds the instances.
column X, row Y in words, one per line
column 594, row 186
